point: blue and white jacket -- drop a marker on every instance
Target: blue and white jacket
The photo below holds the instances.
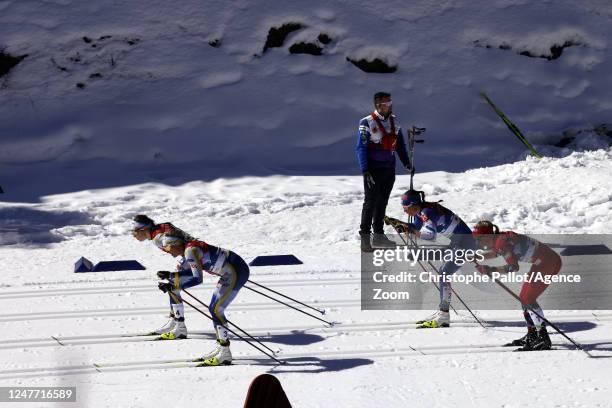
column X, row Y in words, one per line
column 438, row 220
column 199, row 257
column 375, row 149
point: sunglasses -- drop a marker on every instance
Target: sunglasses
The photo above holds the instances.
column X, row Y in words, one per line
column 386, row 103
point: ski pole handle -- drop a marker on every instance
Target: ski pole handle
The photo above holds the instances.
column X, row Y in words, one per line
column 417, row 130
column 545, row 320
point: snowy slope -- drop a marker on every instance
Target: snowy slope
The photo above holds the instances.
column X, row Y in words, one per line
column 156, row 103
column 369, row 355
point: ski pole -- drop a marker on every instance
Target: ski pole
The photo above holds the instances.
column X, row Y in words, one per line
column 422, row 267
column 456, row 294
column 228, row 329
column 233, row 324
column 419, row 262
column 545, row 320
column 413, row 242
column 277, row 293
column 283, row 303
column 411, row 141
column 290, row 306
column 459, row 298
column 452, row 290
column 286, row 297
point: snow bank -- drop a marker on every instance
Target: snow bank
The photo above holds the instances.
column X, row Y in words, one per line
column 148, row 92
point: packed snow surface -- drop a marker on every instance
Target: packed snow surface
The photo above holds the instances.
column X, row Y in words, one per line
column 370, row 358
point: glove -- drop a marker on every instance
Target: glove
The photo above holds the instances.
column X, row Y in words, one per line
column 396, row 224
column 484, row 269
column 369, row 180
column 403, row 228
column 165, row 286
column 391, row 221
column 411, row 168
column 163, row 275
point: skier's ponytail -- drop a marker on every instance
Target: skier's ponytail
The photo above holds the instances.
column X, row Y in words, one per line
column 485, row 227
column 175, row 232
column 435, row 205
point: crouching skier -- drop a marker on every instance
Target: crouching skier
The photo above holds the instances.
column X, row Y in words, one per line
column 431, row 219
column 145, row 229
column 199, row 257
column 513, row 248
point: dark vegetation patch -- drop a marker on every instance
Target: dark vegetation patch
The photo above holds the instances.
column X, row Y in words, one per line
column 565, row 141
column 324, row 38
column 312, row 48
column 305, row 48
column 98, row 55
column 604, row 131
column 277, row 35
column 8, row 62
column 556, row 50
column 377, row 66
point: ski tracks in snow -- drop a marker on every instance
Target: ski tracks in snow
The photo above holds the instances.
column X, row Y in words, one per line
column 310, row 354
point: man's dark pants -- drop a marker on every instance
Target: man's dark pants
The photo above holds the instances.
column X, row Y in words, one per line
column 376, row 198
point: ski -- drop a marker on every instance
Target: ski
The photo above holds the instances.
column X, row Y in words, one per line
column 510, row 125
column 299, row 359
column 261, row 333
column 175, row 363
column 411, row 351
column 264, row 335
column 342, row 327
column 147, row 362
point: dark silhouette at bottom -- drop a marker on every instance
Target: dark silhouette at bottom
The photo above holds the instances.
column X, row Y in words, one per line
column 266, row 392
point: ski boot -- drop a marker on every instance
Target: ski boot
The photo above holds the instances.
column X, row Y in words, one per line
column 544, row 342
column 437, row 320
column 519, row 342
column 428, row 318
column 381, row 241
column 178, row 332
column 166, row 327
column 536, row 341
column 366, row 246
column 220, row 355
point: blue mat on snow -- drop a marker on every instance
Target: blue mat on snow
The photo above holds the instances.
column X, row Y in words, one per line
column 84, row 265
column 275, row 260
